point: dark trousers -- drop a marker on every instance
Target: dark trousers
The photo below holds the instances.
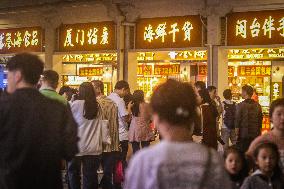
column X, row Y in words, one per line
column 90, row 176
column 136, row 145
column 244, row 143
column 123, row 154
column 108, row 163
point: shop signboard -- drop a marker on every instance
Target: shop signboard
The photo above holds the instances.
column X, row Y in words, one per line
column 254, row 70
column 145, row 70
column 14, row 40
column 87, row 37
column 89, row 58
column 231, row 71
column 202, row 70
column 91, row 71
column 256, row 53
column 255, row 28
column 193, row 55
column 169, row 69
column 169, row 32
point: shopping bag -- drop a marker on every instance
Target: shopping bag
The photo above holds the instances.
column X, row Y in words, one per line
column 118, row 174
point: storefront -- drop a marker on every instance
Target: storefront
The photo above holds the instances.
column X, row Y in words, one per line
column 169, row 47
column 262, row 64
column 87, row 52
column 16, row 40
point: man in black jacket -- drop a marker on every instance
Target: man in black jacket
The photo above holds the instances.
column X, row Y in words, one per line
column 248, row 121
column 36, row 133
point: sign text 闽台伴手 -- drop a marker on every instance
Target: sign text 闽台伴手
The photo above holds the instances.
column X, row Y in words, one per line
column 255, row 28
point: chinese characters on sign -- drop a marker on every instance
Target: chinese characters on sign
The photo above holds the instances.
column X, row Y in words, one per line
column 21, row 39
column 87, row 58
column 171, row 69
column 260, row 53
column 170, row 32
column 145, row 70
column 254, row 70
column 255, row 28
column 91, row 71
column 172, row 55
column 87, row 37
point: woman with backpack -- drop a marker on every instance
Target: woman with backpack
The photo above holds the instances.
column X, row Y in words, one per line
column 228, row 126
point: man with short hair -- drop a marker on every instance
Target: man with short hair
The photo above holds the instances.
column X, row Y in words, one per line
column 110, row 113
column 36, row 132
column 248, row 121
column 49, row 82
column 124, row 116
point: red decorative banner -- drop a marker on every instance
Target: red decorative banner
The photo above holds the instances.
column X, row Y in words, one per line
column 144, row 70
column 254, row 70
column 170, row 69
column 91, row 71
column 202, row 70
column 265, row 124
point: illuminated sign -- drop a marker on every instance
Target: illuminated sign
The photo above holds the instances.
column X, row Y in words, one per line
column 91, row 71
column 254, row 71
column 97, row 57
column 87, row 37
column 260, row 53
column 202, row 70
column 73, row 80
column 231, row 71
column 21, row 39
column 144, row 70
column 276, row 90
column 170, row 69
column 169, row 32
column 255, row 28
column 173, row 55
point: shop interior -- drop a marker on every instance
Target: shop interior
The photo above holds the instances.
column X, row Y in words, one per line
column 261, row 68
column 78, row 68
column 154, row 68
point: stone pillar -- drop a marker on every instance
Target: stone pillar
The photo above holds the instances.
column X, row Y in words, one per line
column 50, row 42
column 213, row 41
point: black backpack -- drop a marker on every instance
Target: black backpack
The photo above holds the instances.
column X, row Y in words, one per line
column 229, row 117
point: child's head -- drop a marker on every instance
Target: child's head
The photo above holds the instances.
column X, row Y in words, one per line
column 276, row 114
column 266, row 157
column 227, row 94
column 234, row 161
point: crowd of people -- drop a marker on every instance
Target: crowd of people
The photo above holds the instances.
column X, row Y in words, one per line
column 204, row 142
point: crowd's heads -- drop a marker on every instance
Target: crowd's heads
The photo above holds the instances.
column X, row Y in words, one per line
column 66, row 92
column 227, row 94
column 200, row 85
column 247, row 91
column 99, row 87
column 205, row 97
column 175, row 103
column 23, row 68
column 122, row 88
column 212, row 91
column 51, row 78
column 87, row 93
column 235, row 162
column 266, row 156
column 276, row 113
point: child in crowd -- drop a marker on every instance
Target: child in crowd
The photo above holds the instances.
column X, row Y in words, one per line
column 268, row 175
column 236, row 166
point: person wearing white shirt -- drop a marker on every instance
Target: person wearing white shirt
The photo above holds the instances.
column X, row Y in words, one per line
column 177, row 162
column 124, row 116
column 87, row 114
